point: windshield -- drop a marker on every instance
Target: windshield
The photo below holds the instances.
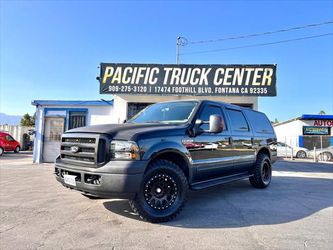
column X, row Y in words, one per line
column 169, row 112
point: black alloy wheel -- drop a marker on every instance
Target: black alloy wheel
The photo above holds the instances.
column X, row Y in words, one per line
column 261, row 172
column 162, row 193
column 266, row 173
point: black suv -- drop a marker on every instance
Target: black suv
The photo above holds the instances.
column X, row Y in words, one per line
column 166, row 149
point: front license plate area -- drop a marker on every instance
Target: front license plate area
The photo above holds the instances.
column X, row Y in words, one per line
column 70, row 179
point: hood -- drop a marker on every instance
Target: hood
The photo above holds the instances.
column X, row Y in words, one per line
column 130, row 131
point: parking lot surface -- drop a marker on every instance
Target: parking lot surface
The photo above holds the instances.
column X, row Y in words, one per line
column 295, row 212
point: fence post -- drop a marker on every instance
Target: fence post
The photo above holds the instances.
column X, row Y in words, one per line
column 292, row 154
column 314, row 154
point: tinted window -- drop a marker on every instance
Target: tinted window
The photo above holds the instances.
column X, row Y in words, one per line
column 237, row 120
column 259, row 122
column 168, row 112
column 207, row 112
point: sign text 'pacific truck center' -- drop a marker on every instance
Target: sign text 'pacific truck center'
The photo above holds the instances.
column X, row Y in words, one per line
column 242, row 80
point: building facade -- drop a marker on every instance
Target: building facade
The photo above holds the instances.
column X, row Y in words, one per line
column 55, row 117
column 306, row 131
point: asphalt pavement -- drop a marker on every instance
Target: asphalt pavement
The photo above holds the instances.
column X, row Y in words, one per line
column 295, row 212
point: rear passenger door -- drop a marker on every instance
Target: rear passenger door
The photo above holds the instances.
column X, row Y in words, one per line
column 242, row 140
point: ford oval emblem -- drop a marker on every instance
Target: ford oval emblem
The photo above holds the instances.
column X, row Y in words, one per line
column 74, row 149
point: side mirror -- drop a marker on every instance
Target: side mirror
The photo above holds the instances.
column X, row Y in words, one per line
column 215, row 124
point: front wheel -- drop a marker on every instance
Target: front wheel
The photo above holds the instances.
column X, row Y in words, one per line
column 1, row 151
column 17, row 149
column 301, row 154
column 262, row 172
column 162, row 193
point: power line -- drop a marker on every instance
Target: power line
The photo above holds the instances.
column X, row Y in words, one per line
column 257, row 45
column 262, row 34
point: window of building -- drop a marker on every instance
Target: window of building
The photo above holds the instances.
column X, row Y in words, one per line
column 238, row 121
column 77, row 119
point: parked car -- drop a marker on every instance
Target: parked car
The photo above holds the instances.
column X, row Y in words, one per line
column 325, row 154
column 284, row 150
column 8, row 143
column 166, row 149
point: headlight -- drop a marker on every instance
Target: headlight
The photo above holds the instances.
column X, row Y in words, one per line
column 124, row 150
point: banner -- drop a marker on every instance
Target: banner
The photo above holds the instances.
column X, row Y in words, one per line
column 312, row 130
column 193, row 80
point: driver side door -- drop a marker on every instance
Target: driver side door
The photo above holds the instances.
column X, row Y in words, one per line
column 211, row 152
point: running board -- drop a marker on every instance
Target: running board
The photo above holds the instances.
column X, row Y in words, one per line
column 218, row 181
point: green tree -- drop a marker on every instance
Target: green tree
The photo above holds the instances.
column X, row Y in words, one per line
column 27, row 120
column 322, row 112
column 275, row 121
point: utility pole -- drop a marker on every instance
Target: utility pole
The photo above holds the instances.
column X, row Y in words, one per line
column 177, row 50
column 180, row 41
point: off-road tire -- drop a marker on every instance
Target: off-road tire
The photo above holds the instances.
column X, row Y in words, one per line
column 301, row 154
column 1, row 151
column 259, row 179
column 17, row 150
column 157, row 172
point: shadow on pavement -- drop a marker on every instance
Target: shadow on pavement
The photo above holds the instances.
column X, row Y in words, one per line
column 15, row 156
column 239, row 205
column 309, row 167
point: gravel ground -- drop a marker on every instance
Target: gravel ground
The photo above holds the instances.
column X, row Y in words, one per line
column 295, row 212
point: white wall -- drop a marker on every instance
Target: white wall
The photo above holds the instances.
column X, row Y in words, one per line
column 289, row 132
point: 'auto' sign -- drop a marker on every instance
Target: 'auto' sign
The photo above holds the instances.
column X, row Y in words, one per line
column 170, row 79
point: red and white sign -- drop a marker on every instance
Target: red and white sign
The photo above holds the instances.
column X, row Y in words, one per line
column 323, row 123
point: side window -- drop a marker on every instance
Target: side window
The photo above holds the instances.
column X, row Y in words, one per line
column 238, row 121
column 77, row 119
column 259, row 122
column 9, row 138
column 207, row 112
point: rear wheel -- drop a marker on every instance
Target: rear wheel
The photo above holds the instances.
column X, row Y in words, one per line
column 301, row 154
column 162, row 193
column 1, row 151
column 326, row 156
column 17, row 149
column 262, row 172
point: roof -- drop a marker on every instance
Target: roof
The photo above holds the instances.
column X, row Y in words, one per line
column 316, row 117
column 101, row 102
column 306, row 117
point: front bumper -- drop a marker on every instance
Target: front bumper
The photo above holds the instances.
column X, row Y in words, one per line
column 117, row 179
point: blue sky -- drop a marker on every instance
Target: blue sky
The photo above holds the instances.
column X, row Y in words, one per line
column 51, row 49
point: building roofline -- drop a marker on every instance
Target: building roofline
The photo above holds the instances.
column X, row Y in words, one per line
column 306, row 117
column 101, row 102
column 316, row 117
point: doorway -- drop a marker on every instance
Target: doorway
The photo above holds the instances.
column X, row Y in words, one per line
column 54, row 128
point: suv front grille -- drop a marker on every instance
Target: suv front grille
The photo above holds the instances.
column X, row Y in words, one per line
column 83, row 148
column 80, row 140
